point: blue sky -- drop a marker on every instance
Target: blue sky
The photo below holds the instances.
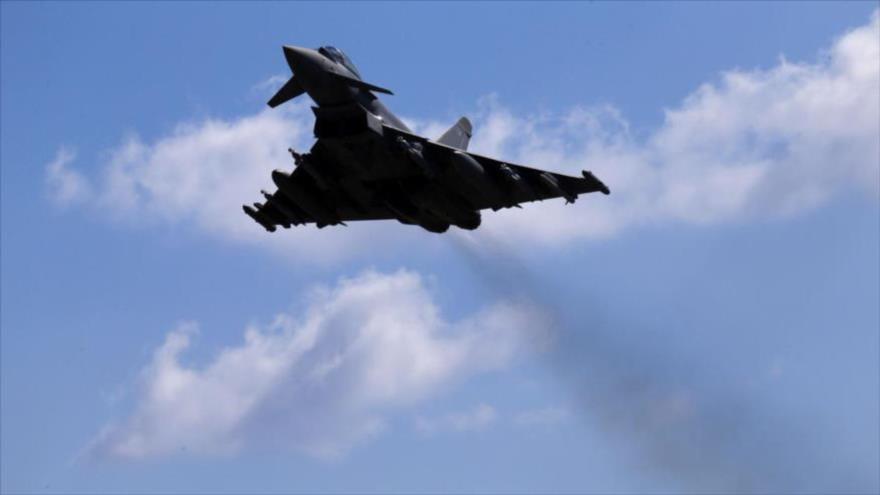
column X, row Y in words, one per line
column 712, row 326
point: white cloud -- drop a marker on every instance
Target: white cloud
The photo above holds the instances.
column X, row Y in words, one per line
column 479, row 418
column 270, row 85
column 541, row 417
column 757, row 143
column 320, row 382
column 66, row 186
column 201, row 171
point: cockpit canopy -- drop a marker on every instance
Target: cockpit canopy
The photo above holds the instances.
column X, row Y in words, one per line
column 336, row 55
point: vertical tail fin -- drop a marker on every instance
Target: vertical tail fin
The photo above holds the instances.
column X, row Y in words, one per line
column 458, row 136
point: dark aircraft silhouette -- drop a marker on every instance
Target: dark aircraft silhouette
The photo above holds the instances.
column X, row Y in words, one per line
column 368, row 165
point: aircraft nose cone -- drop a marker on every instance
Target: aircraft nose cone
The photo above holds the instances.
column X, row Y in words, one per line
column 298, row 59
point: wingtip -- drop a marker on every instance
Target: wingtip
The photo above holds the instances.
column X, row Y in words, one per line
column 592, row 178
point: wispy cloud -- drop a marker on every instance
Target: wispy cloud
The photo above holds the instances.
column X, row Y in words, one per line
column 761, row 143
column 478, row 418
column 320, row 382
column 267, row 87
column 66, row 186
column 544, row 416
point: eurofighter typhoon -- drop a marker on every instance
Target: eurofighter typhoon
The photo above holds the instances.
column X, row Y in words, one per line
column 368, row 165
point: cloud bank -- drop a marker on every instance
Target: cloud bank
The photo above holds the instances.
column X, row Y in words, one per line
column 760, row 143
column 756, row 143
column 321, row 382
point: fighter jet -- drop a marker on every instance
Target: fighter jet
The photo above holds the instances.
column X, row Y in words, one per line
column 366, row 164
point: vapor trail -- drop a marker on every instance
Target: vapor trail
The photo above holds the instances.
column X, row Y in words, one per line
column 679, row 420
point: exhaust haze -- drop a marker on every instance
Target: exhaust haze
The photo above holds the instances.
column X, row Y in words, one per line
column 679, row 420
